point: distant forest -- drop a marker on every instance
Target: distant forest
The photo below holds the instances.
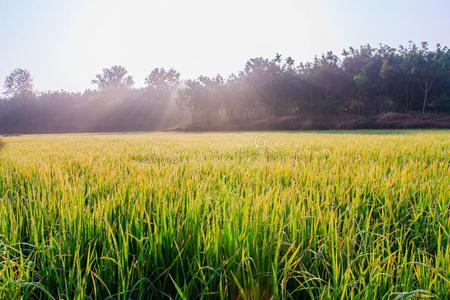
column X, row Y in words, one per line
column 367, row 81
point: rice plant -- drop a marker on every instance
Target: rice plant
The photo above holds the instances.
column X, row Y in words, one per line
column 267, row 215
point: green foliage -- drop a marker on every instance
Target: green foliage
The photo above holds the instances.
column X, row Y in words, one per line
column 359, row 215
column 365, row 81
column 360, row 80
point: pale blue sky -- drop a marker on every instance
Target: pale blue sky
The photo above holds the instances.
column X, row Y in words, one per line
column 65, row 43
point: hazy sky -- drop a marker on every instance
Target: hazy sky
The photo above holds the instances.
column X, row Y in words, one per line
column 65, row 43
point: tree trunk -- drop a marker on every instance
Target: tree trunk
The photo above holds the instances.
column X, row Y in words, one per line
column 407, row 100
column 426, row 90
column 381, row 104
column 428, row 84
column 424, row 101
column 274, row 106
column 359, row 103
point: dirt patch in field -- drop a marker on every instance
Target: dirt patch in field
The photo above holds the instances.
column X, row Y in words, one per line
column 389, row 120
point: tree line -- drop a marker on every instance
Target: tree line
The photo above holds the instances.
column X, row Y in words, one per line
column 114, row 106
column 364, row 81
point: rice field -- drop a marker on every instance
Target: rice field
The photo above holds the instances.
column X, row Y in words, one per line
column 253, row 215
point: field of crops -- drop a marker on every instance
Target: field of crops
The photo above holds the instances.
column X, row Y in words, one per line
column 254, row 215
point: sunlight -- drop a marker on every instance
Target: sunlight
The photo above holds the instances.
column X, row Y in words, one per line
column 179, row 34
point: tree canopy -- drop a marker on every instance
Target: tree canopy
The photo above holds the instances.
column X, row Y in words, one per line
column 113, row 78
column 19, row 83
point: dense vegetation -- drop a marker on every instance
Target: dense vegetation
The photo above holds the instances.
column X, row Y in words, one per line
column 364, row 81
column 226, row 216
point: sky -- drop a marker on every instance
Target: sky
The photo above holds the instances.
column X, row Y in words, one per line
column 64, row 44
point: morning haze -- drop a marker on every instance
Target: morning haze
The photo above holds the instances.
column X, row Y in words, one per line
column 65, row 43
column 256, row 150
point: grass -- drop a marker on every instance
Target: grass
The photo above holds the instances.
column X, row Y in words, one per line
column 340, row 215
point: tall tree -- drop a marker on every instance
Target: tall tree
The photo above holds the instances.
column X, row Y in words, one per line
column 161, row 79
column 262, row 76
column 113, row 78
column 428, row 66
column 361, row 83
column 19, row 83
